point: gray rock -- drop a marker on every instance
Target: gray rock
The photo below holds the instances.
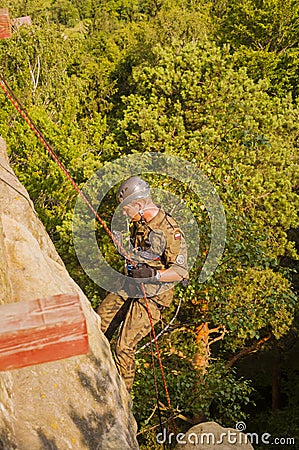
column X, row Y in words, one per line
column 212, row 436
column 76, row 403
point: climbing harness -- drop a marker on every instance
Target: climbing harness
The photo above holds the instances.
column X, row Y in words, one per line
column 22, row 111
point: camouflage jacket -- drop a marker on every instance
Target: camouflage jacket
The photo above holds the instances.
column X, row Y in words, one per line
column 160, row 243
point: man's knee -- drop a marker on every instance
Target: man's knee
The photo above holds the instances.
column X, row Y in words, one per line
column 109, row 309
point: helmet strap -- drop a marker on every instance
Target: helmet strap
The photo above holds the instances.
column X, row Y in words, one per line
column 141, row 213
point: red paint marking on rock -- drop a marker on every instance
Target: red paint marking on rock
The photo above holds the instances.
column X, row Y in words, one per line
column 42, row 330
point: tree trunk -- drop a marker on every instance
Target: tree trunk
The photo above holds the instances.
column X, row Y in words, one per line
column 201, row 358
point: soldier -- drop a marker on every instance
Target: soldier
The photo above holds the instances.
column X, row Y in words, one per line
column 159, row 251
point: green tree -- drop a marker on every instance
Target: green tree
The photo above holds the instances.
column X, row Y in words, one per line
column 264, row 37
column 65, row 90
column 103, row 79
column 194, row 104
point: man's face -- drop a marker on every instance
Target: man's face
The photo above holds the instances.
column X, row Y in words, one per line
column 132, row 211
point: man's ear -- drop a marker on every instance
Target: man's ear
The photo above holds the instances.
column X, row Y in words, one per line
column 139, row 205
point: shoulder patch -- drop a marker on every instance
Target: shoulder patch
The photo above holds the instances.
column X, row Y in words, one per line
column 177, row 235
column 180, row 259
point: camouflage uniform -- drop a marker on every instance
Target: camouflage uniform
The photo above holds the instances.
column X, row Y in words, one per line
column 160, row 244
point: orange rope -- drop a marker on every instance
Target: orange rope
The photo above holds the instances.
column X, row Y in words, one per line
column 159, row 357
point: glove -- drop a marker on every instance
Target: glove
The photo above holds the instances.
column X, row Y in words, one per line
column 143, row 271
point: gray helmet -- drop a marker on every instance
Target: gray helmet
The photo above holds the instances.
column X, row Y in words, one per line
column 132, row 189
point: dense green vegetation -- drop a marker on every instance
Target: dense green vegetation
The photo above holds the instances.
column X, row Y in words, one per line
column 215, row 83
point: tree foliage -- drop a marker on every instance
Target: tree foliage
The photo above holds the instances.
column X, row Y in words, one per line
column 264, row 37
column 214, row 83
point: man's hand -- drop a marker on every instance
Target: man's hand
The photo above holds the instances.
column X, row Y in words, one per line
column 143, row 271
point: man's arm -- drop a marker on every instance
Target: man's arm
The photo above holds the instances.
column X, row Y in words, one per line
column 169, row 275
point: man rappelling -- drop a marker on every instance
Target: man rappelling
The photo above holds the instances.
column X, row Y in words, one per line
column 158, row 260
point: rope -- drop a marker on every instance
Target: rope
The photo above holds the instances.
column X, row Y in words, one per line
column 13, row 99
column 164, row 329
column 159, row 357
column 156, row 385
column 22, row 111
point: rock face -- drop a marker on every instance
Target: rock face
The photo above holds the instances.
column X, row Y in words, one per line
column 212, row 436
column 76, row 403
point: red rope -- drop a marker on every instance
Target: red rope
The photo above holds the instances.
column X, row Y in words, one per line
column 159, row 357
column 16, row 103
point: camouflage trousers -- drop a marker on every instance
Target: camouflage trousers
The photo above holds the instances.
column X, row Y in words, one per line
column 132, row 312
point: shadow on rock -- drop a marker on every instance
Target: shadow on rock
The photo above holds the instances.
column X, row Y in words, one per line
column 5, row 442
column 47, row 444
column 93, row 428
